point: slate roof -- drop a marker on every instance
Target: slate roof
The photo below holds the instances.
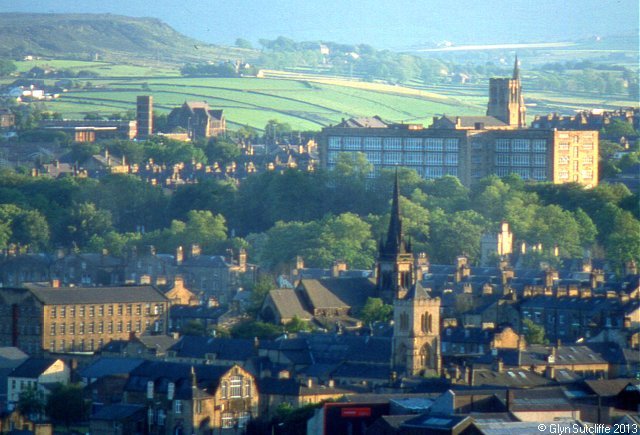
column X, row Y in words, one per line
column 538, row 355
column 470, row 121
column 11, row 357
column 196, row 312
column 362, row 371
column 607, row 387
column 509, row 378
column 117, row 412
column 338, row 292
column 162, row 373
column 331, row 348
column 96, row 295
column 363, row 122
column 226, row 349
column 538, row 400
column 467, row 335
column 288, row 304
column 213, row 261
column 32, row 368
column 292, row 387
column 110, row 366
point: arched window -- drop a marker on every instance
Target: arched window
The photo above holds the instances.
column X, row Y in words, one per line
column 424, row 355
column 429, row 323
column 404, row 321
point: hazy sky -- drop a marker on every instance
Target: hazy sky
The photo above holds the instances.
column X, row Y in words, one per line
column 381, row 23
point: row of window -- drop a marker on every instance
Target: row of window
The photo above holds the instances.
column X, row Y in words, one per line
column 521, row 145
column 101, row 327
column 356, row 143
column 407, row 158
column 502, row 159
column 75, row 346
column 91, row 310
column 233, row 389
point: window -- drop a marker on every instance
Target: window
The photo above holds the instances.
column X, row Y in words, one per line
column 434, row 144
column 52, row 346
column 147, row 309
column 92, row 311
column 72, row 329
column 351, row 143
column 198, row 406
column 63, row 329
column 91, row 328
column 120, row 326
column 91, row 344
column 161, row 417
column 502, row 145
column 224, row 391
column 81, row 328
column 334, row 143
column 138, row 326
column 72, row 311
column 129, row 309
column 54, row 312
column 539, row 145
column 587, row 160
column 120, row 310
column 451, row 159
column 129, row 326
column 247, row 388
column 110, row 327
column 374, row 157
column 227, row 420
column 524, row 173
column 412, row 158
column 539, row 174
column 404, row 321
column 451, row 144
column 434, row 159
column 101, row 310
column 235, row 387
column 81, row 311
column 392, row 143
column 452, row 171
column 539, row 160
column 502, row 172
column 502, row 159
column 563, row 146
column 413, row 144
column 138, row 309
column 520, row 145
column 53, row 329
column 392, row 158
column 520, row 160
column 372, row 143
column 586, row 174
column 432, row 172
column 177, row 407
column 110, row 310
column 63, row 312
column 100, row 327
column 158, row 309
column 62, row 346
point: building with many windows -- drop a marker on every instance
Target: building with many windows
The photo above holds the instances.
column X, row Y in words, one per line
column 470, row 147
column 76, row 319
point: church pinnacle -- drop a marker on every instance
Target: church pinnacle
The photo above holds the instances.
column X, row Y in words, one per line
column 395, row 238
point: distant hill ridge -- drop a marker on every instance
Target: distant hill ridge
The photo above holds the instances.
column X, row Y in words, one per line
column 111, row 37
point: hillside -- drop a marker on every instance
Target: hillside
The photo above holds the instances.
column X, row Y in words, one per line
column 111, row 37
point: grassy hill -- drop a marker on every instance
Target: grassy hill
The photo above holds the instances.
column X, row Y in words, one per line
column 111, row 37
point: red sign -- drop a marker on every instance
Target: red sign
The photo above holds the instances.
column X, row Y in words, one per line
column 355, row 412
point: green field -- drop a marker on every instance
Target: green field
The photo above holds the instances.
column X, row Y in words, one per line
column 304, row 100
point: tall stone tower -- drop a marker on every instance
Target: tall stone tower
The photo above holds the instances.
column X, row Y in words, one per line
column 394, row 268
column 144, row 116
column 416, row 333
column 416, row 328
column 506, row 101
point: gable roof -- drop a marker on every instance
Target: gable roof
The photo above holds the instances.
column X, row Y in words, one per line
column 32, row 368
column 227, row 349
column 96, row 295
column 117, row 412
column 288, row 304
column 110, row 366
column 337, row 292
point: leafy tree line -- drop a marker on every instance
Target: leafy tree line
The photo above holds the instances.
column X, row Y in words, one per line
column 321, row 215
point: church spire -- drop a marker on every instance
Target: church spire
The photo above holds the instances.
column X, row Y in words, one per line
column 395, row 238
column 516, row 69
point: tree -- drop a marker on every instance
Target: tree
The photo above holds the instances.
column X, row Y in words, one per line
column 66, row 404
column 31, row 403
column 259, row 292
column 534, row 334
column 222, row 150
column 617, row 129
column 296, row 325
column 85, row 221
column 375, row 310
column 243, row 43
column 253, row 329
column 7, row 67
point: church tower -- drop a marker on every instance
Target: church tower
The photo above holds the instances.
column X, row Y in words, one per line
column 416, row 328
column 394, row 268
column 506, row 101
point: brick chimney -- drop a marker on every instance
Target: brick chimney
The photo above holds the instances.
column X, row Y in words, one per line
column 179, row 255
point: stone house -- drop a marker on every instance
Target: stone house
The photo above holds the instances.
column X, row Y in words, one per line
column 186, row 399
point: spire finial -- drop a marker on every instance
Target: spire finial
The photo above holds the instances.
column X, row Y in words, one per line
column 516, row 69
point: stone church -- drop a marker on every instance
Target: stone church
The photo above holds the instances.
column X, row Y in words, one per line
column 416, row 316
